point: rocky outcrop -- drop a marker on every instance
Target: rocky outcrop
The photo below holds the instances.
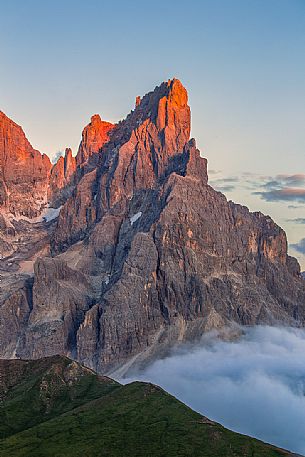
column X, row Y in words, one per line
column 62, row 178
column 94, row 136
column 24, row 188
column 16, row 305
column 149, row 145
column 146, row 254
column 24, row 172
column 182, row 276
column 61, row 296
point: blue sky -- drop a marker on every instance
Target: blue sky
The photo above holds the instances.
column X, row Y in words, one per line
column 242, row 61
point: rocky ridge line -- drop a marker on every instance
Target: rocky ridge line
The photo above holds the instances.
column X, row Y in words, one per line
column 144, row 253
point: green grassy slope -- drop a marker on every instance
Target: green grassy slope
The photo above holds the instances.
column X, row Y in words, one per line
column 55, row 407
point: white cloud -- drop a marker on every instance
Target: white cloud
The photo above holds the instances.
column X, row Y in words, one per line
column 254, row 386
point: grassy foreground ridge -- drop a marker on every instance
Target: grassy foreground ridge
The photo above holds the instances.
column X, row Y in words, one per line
column 56, row 407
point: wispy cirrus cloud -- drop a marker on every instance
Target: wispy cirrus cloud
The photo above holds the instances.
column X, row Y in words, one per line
column 297, row 220
column 227, row 184
column 291, row 180
column 295, row 206
column 278, row 188
column 226, row 188
column 283, row 194
column 282, row 187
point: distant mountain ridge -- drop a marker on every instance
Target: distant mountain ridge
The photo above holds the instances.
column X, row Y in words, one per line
column 144, row 253
column 56, row 407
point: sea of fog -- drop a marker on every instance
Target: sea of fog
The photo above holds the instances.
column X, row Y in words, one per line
column 255, row 385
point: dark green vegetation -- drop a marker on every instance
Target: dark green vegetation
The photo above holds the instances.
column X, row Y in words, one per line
column 56, row 407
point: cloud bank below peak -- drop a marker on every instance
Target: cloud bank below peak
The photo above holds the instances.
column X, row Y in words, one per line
column 255, row 385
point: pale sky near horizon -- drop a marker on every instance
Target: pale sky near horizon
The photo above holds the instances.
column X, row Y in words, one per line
column 242, row 61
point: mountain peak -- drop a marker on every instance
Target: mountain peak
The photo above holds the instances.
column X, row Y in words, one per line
column 143, row 249
column 94, row 136
column 177, row 91
column 161, row 120
column 96, row 119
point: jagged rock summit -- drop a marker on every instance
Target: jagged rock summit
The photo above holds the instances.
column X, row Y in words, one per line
column 94, row 136
column 143, row 253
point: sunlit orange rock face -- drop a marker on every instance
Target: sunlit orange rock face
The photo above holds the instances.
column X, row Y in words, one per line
column 150, row 143
column 94, row 136
column 63, row 176
column 24, row 172
column 156, row 133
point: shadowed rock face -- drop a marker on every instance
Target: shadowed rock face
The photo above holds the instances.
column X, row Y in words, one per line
column 144, row 252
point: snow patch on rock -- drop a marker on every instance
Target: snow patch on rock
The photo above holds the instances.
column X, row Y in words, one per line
column 135, row 217
column 49, row 214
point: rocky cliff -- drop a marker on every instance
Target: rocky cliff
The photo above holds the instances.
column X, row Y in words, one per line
column 62, row 178
column 94, row 136
column 24, row 172
column 144, row 253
